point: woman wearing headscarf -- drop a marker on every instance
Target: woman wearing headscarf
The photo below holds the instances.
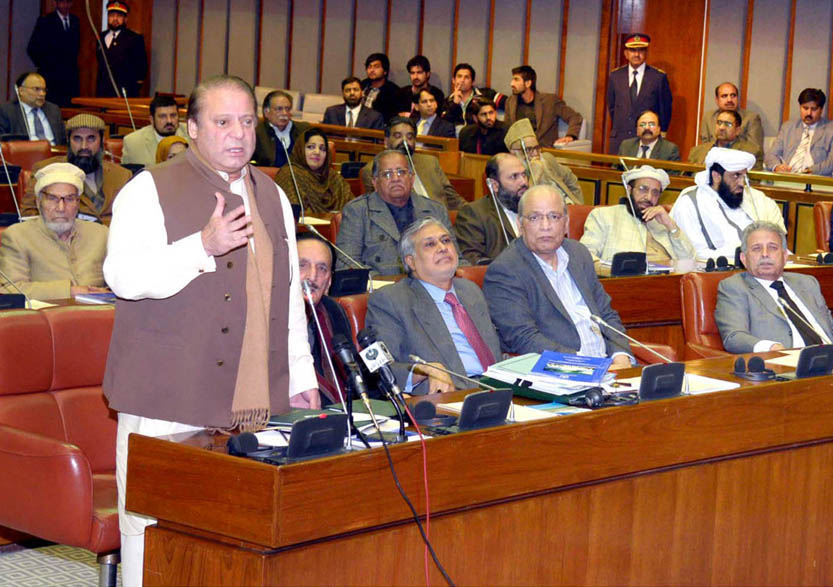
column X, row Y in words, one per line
column 170, row 147
column 322, row 189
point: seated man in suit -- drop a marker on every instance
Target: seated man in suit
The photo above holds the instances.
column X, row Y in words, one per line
column 484, row 136
column 713, row 212
column 726, row 98
column 765, row 309
column 431, row 314
column 481, row 233
column 276, row 133
column 353, row 113
column 372, row 224
column 428, row 121
column 648, row 142
column 43, row 119
column 430, row 181
column 140, row 146
column 103, row 179
column 55, row 256
column 728, row 137
column 542, row 289
column 641, row 224
column 804, row 145
column 543, row 168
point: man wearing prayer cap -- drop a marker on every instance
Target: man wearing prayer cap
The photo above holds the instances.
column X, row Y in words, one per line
column 714, row 211
column 543, row 168
column 641, row 224
column 55, row 255
column 633, row 89
column 102, row 179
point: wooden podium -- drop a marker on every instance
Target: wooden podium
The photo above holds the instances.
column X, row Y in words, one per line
column 727, row 488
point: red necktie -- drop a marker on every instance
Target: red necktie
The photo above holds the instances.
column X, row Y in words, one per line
column 464, row 321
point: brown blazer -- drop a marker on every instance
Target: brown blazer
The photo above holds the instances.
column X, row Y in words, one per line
column 114, row 177
column 548, row 109
column 478, row 230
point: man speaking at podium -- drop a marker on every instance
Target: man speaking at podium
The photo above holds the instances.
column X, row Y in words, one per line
column 202, row 257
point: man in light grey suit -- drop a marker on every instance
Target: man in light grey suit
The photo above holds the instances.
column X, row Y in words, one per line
column 648, row 142
column 765, row 309
column 372, row 224
column 542, row 288
column 804, row 145
column 442, row 319
column 140, row 146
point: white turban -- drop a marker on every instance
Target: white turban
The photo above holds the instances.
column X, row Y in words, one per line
column 729, row 159
column 646, row 171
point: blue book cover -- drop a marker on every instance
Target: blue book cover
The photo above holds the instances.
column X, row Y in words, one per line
column 575, row 368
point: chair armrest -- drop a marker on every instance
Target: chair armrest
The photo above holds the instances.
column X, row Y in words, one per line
column 47, row 487
column 699, row 351
column 645, row 357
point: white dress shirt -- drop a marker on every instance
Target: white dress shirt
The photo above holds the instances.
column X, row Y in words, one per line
column 30, row 124
column 798, row 342
column 640, row 75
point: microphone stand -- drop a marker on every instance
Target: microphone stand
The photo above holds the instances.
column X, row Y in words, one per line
column 497, row 210
column 11, row 282
column 129, row 112
column 411, row 161
column 528, row 164
column 325, row 353
column 22, row 112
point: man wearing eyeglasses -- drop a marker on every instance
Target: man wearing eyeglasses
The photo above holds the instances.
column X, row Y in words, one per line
column 277, row 127
column 543, row 288
column 42, row 119
column 372, row 224
column 648, row 142
column 55, row 256
column 727, row 128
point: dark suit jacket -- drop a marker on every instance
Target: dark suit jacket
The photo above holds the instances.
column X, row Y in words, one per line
column 478, row 230
column 54, row 52
column 408, row 321
column 368, row 117
column 406, row 101
column 440, row 128
column 128, row 60
column 491, row 143
column 654, row 94
column 266, row 143
column 530, row 317
column 386, row 100
column 698, row 152
column 11, row 120
column 453, row 113
column 432, row 176
column 548, row 109
column 664, row 150
column 746, row 314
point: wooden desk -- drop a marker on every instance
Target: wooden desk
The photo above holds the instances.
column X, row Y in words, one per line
column 728, row 488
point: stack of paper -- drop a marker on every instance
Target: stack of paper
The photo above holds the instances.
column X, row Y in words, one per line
column 517, row 371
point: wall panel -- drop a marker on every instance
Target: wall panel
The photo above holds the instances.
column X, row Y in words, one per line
column 274, row 43
column 813, row 26
column 371, row 16
column 23, row 18
column 436, row 41
column 164, row 47
column 404, row 30
column 215, row 38
column 508, row 44
column 582, row 55
column 187, row 46
column 242, row 39
column 306, row 35
column 544, row 45
column 724, row 61
column 337, row 43
column 767, row 61
column 6, row 79
column 473, row 37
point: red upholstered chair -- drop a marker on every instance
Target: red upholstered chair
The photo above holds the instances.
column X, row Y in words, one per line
column 114, row 145
column 575, row 221
column 356, row 308
column 821, row 219
column 22, row 183
column 335, row 225
column 699, row 297
column 57, row 435
column 474, row 273
column 26, row 153
column 270, row 171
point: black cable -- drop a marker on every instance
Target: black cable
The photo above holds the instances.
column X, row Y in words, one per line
column 414, row 513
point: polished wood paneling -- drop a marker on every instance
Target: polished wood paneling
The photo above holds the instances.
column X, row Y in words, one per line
column 747, row 49
column 788, row 72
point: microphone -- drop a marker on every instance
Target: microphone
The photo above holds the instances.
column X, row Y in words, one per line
column 601, row 322
column 497, row 211
column 410, row 160
column 623, row 164
column 22, row 113
column 377, row 359
column 11, row 282
column 9, row 181
column 115, row 158
column 785, row 308
column 420, row 361
column 344, row 351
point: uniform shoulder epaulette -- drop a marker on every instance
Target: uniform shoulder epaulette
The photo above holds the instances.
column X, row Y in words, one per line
column 662, row 71
column 620, row 67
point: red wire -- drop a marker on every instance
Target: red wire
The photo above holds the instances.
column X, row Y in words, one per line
column 427, row 499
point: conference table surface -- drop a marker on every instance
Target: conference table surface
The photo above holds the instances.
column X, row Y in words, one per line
column 723, row 488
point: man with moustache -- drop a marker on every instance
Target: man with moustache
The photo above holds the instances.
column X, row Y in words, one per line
column 765, row 309
column 713, row 212
column 641, row 225
column 53, row 48
column 353, row 113
column 648, row 142
column 125, row 51
column 42, row 119
column 407, row 97
column 434, row 315
column 372, row 225
column 543, row 168
column 429, row 179
column 209, row 329
column 428, row 121
column 277, row 132
column 140, row 146
column 728, row 137
column 484, row 136
column 726, row 98
column 804, row 145
column 103, row 179
column 486, row 226
column 378, row 91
